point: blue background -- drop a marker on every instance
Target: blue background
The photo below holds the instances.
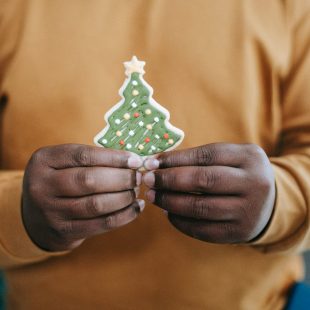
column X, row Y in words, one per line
column 2, row 291
column 307, row 259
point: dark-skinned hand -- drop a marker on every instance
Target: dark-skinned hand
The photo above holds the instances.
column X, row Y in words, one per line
column 72, row 192
column 221, row 193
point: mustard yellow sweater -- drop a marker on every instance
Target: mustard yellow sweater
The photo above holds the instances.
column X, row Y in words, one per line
column 234, row 71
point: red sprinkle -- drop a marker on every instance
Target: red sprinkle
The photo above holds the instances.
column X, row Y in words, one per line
column 166, row 136
column 122, row 142
column 147, row 140
column 136, row 115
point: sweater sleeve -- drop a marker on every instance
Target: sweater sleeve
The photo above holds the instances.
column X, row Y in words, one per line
column 16, row 247
column 289, row 228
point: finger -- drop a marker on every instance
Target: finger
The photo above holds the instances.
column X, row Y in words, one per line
column 213, row 208
column 215, row 154
column 78, row 182
column 80, row 229
column 78, row 155
column 213, row 180
column 93, row 206
column 209, row 231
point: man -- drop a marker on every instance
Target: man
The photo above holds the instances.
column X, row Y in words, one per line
column 234, row 75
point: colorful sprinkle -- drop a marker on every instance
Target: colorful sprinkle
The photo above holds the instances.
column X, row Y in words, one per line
column 135, row 92
column 149, row 127
column 148, row 111
column 128, row 146
column 134, row 105
column 135, row 83
column 166, row 136
column 170, row 141
column 141, row 123
column 117, row 121
column 122, row 142
column 156, row 119
column 140, row 147
column 118, row 133
column 157, row 136
column 136, row 115
column 126, row 116
column 147, row 140
column 153, row 147
column 104, row 141
column 131, row 133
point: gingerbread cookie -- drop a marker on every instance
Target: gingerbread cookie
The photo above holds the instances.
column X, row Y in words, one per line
column 138, row 123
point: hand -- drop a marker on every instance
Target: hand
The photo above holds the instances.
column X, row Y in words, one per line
column 222, row 193
column 72, row 192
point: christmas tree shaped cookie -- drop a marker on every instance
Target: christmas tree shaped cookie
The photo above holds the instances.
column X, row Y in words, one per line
column 138, row 123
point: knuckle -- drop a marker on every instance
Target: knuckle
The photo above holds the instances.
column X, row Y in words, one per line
column 86, row 179
column 211, row 180
column 52, row 207
column 109, row 222
column 264, row 183
column 240, row 228
column 38, row 155
column 205, row 179
column 59, row 227
column 205, row 155
column 52, row 221
column 65, row 228
column 254, row 150
column 93, row 205
column 199, row 207
column 73, row 209
column 33, row 188
column 83, row 156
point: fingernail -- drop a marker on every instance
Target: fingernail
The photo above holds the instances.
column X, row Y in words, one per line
column 134, row 161
column 149, row 179
column 137, row 191
column 141, row 205
column 138, row 178
column 151, row 164
column 150, row 195
column 165, row 213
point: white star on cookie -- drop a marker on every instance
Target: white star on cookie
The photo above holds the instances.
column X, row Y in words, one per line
column 134, row 65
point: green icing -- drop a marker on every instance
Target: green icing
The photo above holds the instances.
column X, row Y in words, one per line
column 138, row 104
